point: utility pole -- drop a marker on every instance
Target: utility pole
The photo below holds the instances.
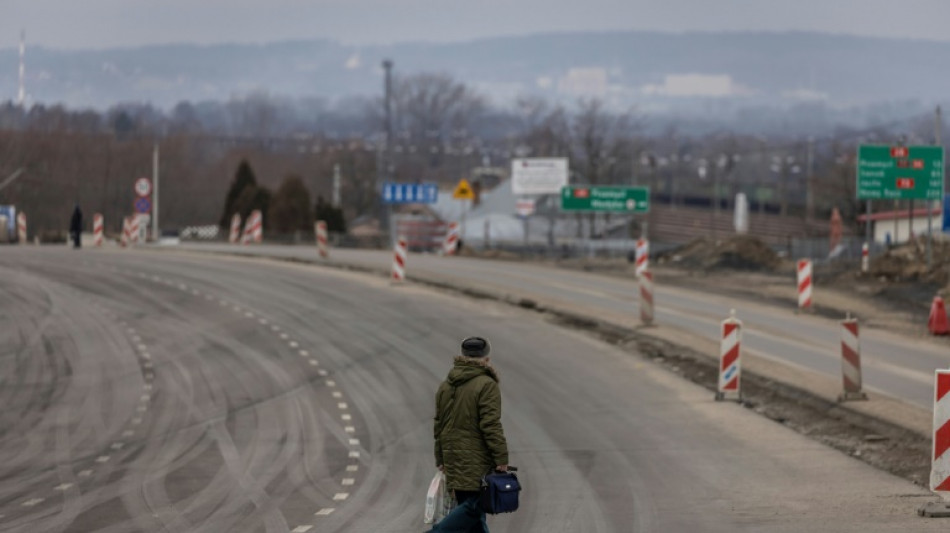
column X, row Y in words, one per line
column 809, row 182
column 336, row 185
column 930, row 246
column 155, row 234
column 386, row 171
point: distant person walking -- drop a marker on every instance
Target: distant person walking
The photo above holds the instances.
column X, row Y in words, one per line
column 75, row 227
column 469, row 439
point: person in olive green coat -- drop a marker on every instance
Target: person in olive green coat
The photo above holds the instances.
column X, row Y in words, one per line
column 469, row 439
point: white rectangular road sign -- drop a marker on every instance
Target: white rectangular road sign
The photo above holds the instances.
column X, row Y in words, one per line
column 538, row 175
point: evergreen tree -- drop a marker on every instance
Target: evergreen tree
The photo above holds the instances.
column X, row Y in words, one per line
column 243, row 178
column 290, row 207
column 253, row 198
column 333, row 216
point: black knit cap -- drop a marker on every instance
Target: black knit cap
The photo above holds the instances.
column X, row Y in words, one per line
column 475, row 347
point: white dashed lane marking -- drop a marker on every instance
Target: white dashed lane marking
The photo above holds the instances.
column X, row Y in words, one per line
column 102, row 459
column 85, row 473
column 301, row 529
column 33, row 501
column 354, row 454
column 63, row 486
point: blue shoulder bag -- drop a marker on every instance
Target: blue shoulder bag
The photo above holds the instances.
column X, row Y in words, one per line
column 499, row 492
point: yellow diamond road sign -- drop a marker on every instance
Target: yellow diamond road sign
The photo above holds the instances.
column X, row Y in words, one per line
column 463, row 191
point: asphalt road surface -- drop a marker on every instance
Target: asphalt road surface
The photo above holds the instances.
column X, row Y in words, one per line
column 892, row 364
column 176, row 392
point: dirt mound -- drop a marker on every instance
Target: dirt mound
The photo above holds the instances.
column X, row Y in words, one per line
column 740, row 252
column 908, row 262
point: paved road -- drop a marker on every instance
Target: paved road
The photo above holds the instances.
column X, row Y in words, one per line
column 892, row 364
column 171, row 392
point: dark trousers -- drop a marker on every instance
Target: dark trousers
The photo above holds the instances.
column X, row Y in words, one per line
column 467, row 517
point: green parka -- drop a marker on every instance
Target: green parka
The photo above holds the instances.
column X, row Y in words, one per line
column 469, row 439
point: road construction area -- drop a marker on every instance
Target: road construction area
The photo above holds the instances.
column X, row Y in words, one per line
column 191, row 389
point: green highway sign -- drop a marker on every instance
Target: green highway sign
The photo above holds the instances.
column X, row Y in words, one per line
column 900, row 172
column 605, row 198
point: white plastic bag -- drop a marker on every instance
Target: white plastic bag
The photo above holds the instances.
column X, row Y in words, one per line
column 439, row 501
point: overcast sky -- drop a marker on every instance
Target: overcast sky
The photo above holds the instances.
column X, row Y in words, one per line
column 106, row 23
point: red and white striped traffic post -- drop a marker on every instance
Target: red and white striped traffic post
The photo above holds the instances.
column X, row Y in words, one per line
column 730, row 351
column 134, row 229
column 642, row 256
column 254, row 229
column 865, row 258
column 646, row 297
column 97, row 227
column 940, row 465
column 804, row 284
column 235, row 236
column 21, row 227
column 851, row 361
column 399, row 260
column 451, row 242
column 320, row 228
column 126, row 237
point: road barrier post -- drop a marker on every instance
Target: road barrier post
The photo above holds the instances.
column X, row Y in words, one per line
column 126, row 238
column 646, row 297
column 134, row 230
column 320, row 228
column 254, row 229
column 235, row 234
column 865, row 259
column 399, row 260
column 451, row 242
column 642, row 256
column 940, row 459
column 804, row 284
column 851, row 361
column 21, row 227
column 730, row 351
column 97, row 226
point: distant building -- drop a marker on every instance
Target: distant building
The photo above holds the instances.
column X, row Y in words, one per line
column 895, row 226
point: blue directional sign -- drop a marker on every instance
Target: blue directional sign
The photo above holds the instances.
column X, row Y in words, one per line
column 410, row 193
column 143, row 205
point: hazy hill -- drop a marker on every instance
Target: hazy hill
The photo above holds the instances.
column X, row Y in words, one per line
column 687, row 73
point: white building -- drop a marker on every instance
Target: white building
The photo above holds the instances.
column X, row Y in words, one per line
column 896, row 226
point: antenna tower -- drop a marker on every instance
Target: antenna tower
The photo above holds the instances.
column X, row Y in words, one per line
column 21, row 93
